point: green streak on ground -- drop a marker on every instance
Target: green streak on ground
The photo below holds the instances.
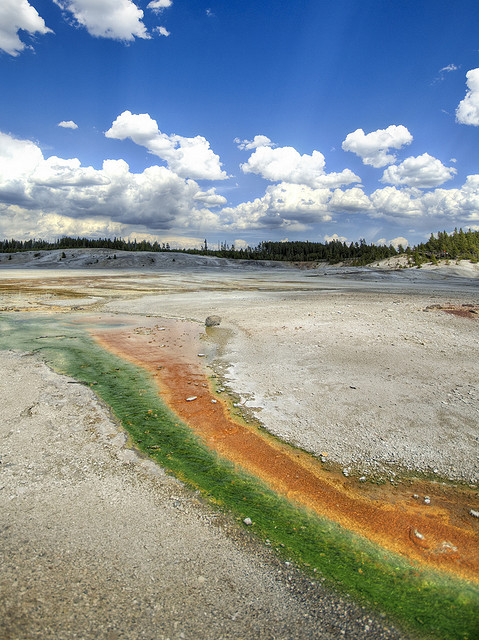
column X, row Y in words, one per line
column 430, row 603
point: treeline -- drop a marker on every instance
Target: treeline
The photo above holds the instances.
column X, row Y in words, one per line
column 457, row 245
column 13, row 246
column 333, row 252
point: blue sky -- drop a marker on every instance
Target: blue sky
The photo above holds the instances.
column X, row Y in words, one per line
column 239, row 121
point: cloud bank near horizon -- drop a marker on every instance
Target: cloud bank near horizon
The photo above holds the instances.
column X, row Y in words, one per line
column 36, row 190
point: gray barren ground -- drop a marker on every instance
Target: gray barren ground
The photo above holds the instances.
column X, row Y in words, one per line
column 96, row 542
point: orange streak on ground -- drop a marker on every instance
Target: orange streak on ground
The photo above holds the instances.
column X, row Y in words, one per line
column 440, row 535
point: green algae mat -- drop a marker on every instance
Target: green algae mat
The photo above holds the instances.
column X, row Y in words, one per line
column 429, row 603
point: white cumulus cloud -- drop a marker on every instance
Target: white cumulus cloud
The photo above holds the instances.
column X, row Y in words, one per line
column 210, row 198
column 468, row 110
column 115, row 19
column 157, row 197
column 454, row 204
column 159, row 5
column 67, row 124
column 18, row 222
column 257, row 141
column 59, row 172
column 18, row 161
column 399, row 241
column 16, row 15
column 422, row 172
column 373, row 147
column 336, row 179
column 284, row 206
column 334, row 238
column 286, row 164
column 349, row 201
column 299, row 202
column 437, row 207
column 162, row 31
column 187, row 157
column 392, row 202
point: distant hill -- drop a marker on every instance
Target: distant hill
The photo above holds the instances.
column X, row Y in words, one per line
column 99, row 258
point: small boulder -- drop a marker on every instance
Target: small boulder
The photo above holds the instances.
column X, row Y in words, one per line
column 212, row 321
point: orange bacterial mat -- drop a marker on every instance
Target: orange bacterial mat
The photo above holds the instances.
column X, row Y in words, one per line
column 441, row 534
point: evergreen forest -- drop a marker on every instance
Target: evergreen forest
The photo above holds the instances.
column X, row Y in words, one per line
column 458, row 245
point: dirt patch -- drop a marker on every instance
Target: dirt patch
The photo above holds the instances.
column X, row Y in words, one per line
column 465, row 310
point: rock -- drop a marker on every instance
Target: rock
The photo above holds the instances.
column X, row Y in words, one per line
column 474, row 514
column 447, row 547
column 427, row 500
column 191, row 398
column 212, row 321
column 248, row 521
